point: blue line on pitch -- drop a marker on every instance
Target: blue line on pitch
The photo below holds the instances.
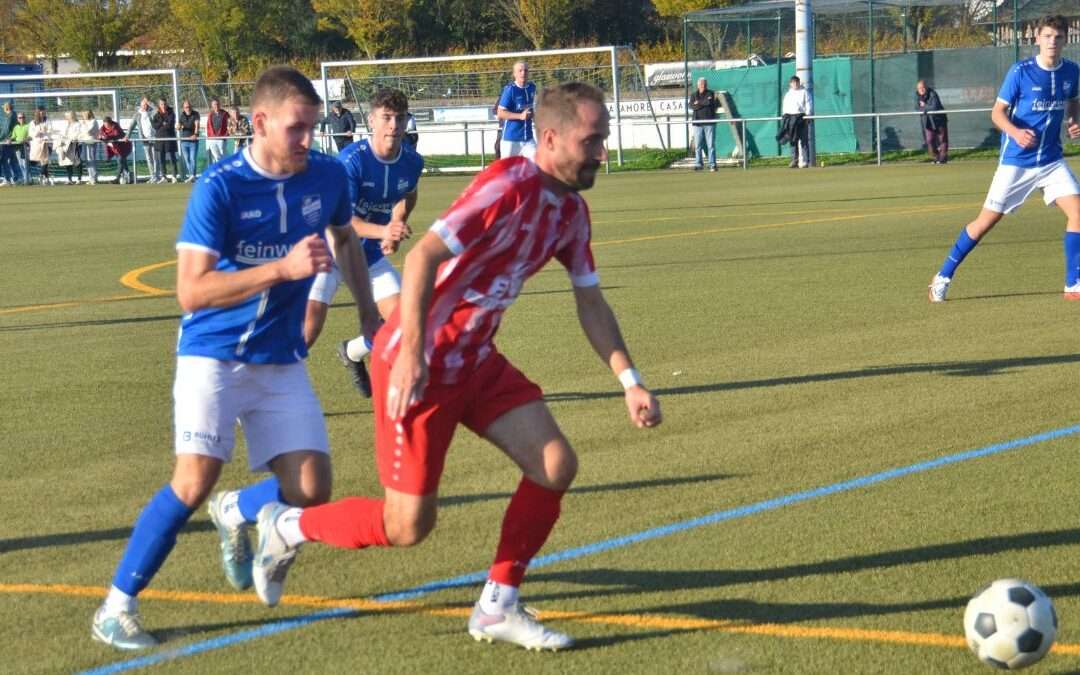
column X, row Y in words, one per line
column 593, row 549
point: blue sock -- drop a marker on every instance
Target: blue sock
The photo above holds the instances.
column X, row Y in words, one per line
column 1072, row 258
column 151, row 540
column 254, row 497
column 959, row 251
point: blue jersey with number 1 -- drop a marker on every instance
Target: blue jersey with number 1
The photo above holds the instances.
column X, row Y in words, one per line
column 376, row 185
column 1037, row 98
column 246, row 217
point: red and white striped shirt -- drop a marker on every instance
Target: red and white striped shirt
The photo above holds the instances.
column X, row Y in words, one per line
column 502, row 230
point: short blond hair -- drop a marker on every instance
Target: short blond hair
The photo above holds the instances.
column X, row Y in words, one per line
column 558, row 105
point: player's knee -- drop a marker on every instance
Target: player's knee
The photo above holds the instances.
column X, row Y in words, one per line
column 307, row 495
column 564, row 469
column 192, row 490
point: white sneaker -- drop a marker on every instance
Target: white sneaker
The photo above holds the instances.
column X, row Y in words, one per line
column 519, row 626
column 939, row 286
column 1072, row 292
column 122, row 630
column 273, row 557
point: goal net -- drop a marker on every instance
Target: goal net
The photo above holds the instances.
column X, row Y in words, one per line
column 454, row 97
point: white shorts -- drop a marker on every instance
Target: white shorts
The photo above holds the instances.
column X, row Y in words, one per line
column 515, row 148
column 1012, row 185
column 274, row 404
column 385, row 281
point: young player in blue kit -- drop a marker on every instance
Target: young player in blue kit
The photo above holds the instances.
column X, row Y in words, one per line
column 252, row 239
column 1038, row 94
column 383, row 176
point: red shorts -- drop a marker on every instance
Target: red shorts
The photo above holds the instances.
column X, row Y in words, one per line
column 411, row 452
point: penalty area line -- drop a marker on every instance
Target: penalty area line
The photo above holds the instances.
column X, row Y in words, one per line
column 604, row 546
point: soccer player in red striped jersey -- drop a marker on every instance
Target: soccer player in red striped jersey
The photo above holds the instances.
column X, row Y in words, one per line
column 435, row 366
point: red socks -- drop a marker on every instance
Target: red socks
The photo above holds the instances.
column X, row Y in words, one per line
column 354, row 522
column 529, row 520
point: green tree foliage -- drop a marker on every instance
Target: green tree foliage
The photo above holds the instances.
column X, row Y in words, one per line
column 378, row 28
column 87, row 30
column 542, row 22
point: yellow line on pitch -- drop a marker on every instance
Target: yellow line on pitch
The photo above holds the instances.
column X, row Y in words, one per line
column 773, row 226
column 132, row 280
column 647, row 621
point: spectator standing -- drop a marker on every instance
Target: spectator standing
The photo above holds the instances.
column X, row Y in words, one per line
column 703, row 103
column 217, row 129
column 797, row 105
column 239, row 128
column 67, row 147
column 516, row 110
column 187, row 123
column 412, row 136
column 164, row 123
column 40, row 141
column 340, row 124
column 88, row 145
column 9, row 170
column 20, row 134
column 935, row 127
column 116, row 145
column 142, row 122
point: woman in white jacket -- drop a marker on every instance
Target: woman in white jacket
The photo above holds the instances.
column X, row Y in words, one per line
column 40, row 139
column 67, row 147
column 88, row 145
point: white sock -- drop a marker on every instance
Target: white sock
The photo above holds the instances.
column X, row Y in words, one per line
column 288, row 526
column 118, row 601
column 358, row 348
column 496, row 598
column 230, row 510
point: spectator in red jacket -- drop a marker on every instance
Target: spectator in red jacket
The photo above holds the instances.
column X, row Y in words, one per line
column 217, row 129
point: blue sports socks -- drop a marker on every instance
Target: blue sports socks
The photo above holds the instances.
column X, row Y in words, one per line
column 254, row 497
column 151, row 540
column 1072, row 258
column 959, row 251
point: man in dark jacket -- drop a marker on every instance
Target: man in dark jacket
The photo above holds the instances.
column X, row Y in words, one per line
column 341, row 124
column 164, row 123
column 703, row 102
column 935, row 127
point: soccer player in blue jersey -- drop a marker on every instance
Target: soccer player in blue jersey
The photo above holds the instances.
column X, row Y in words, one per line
column 383, row 176
column 516, row 110
column 1039, row 95
column 251, row 241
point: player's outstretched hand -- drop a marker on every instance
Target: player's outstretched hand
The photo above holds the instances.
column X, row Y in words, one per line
column 643, row 406
column 1026, row 138
column 309, row 256
column 408, row 377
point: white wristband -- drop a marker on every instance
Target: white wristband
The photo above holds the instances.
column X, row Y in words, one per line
column 629, row 378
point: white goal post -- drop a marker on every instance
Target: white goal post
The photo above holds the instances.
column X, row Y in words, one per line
column 613, row 62
column 68, row 93
column 171, row 72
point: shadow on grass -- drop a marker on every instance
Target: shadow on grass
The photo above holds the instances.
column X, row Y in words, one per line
column 458, row 500
column 88, row 537
column 167, row 635
column 951, row 368
column 606, row 581
column 92, row 322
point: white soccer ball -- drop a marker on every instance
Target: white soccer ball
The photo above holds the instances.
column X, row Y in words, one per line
column 1010, row 624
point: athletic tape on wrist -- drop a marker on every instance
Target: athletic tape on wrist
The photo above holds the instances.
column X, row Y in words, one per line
column 629, row 378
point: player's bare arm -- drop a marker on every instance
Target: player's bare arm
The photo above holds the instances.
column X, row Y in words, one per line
column 1025, row 138
column 199, row 285
column 354, row 270
column 1072, row 118
column 408, row 375
column 602, row 330
column 398, row 230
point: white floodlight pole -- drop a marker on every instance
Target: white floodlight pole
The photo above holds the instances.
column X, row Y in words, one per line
column 618, row 113
column 804, row 62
